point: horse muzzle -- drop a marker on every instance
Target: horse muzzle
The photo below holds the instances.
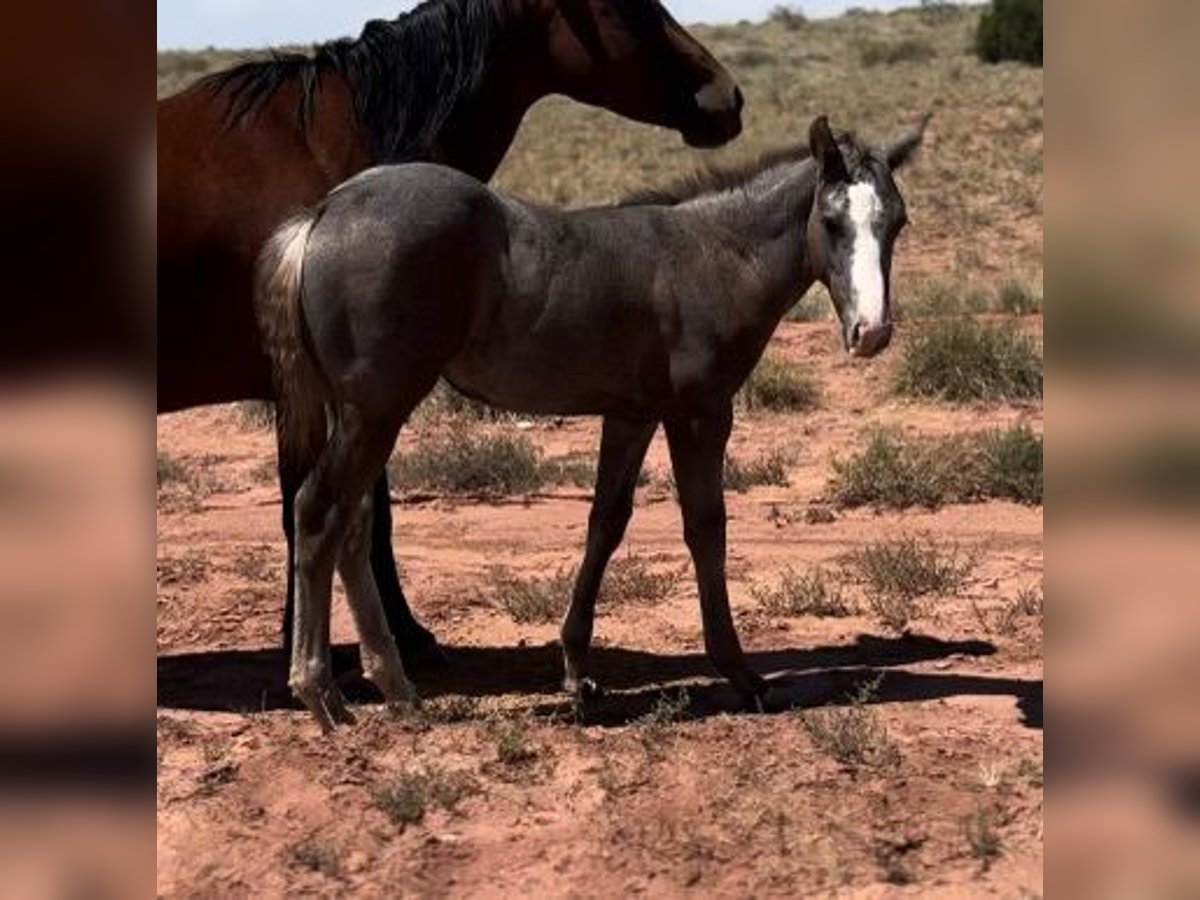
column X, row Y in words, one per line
column 867, row 340
column 716, row 117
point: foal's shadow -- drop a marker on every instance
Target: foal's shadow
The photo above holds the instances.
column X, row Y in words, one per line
column 250, row 680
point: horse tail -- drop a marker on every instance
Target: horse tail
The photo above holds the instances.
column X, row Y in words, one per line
column 300, row 388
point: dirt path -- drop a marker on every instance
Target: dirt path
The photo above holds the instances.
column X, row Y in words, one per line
column 650, row 792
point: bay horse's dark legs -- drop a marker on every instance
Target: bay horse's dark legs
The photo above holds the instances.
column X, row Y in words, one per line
column 622, row 449
column 697, row 448
column 417, row 644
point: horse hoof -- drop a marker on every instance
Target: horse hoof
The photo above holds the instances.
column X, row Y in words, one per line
column 583, row 688
column 759, row 698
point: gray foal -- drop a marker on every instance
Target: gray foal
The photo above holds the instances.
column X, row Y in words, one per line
column 652, row 311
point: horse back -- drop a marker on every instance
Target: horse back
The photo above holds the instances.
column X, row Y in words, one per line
column 223, row 186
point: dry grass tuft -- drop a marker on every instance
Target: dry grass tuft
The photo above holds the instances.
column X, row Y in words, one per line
column 768, row 469
column 813, row 593
column 632, row 580
column 654, row 728
column 536, row 600
column 898, row 573
column 853, row 734
column 514, row 743
column 317, row 856
column 407, row 798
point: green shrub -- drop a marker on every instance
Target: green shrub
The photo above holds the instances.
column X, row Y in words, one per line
column 1010, row 465
column 1011, row 29
column 895, row 471
column 961, row 360
column 780, row 386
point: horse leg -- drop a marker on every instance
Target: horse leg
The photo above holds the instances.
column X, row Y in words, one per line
column 326, row 505
column 697, row 448
column 417, row 643
column 380, row 658
column 622, row 448
column 288, row 491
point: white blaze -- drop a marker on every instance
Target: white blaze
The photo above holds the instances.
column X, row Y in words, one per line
column 866, row 265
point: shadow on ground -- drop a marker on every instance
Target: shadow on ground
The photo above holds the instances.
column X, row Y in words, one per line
column 252, row 680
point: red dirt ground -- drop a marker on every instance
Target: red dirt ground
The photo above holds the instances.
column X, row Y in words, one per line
column 253, row 801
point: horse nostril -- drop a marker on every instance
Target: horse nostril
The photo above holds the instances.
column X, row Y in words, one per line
column 738, row 100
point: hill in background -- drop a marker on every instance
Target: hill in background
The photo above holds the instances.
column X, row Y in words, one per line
column 974, row 195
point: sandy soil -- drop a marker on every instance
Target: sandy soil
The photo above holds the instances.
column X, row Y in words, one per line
column 634, row 795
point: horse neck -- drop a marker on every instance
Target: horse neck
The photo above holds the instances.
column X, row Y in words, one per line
column 768, row 220
column 482, row 127
column 478, row 126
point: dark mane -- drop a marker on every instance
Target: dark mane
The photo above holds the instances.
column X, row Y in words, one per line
column 405, row 75
column 704, row 182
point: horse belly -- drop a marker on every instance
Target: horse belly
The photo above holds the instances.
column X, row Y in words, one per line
column 555, row 375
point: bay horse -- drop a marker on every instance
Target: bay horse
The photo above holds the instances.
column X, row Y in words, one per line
column 650, row 312
column 449, row 82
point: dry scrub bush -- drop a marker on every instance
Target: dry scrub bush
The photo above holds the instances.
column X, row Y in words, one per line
column 853, row 734
column 897, row 573
column 406, row 798
column 962, row 360
column 780, row 386
column 815, row 593
column 895, row 471
column 769, row 469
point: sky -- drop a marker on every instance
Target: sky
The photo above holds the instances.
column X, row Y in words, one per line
column 191, row 24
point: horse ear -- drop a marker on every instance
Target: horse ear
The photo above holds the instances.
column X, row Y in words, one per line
column 902, row 151
column 825, row 151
